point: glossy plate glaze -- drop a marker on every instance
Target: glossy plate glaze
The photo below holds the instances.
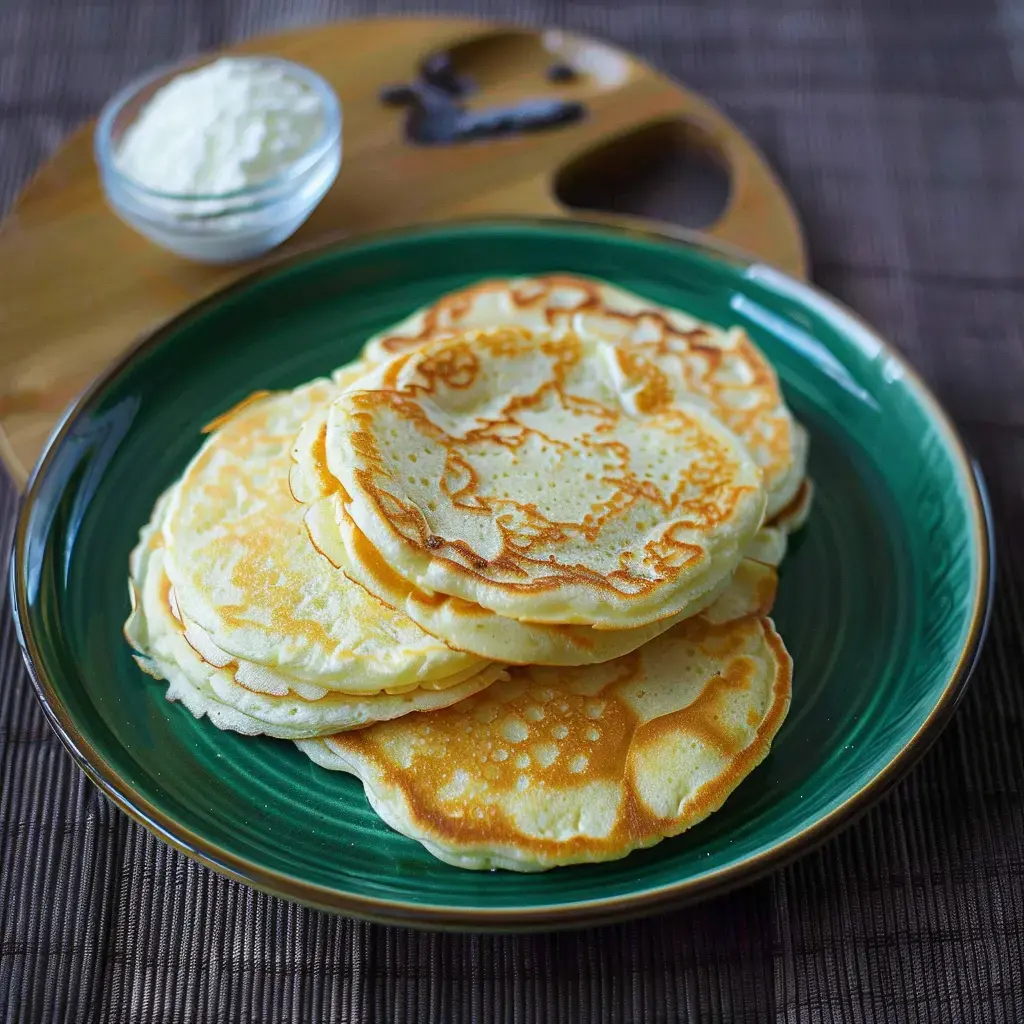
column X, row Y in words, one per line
column 882, row 603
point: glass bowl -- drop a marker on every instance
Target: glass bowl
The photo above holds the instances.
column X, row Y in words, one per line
column 231, row 226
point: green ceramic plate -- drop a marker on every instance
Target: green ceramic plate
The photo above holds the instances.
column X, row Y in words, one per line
column 882, row 601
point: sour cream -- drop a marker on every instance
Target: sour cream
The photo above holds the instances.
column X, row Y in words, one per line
column 226, row 126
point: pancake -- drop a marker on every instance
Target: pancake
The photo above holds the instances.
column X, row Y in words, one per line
column 248, row 584
column 794, row 515
column 723, row 369
column 212, row 689
column 771, row 542
column 469, row 627
column 309, row 477
column 462, row 624
column 555, row 481
column 561, row 766
column 769, row 546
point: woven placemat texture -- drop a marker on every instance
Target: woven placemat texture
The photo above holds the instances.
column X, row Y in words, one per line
column 899, row 130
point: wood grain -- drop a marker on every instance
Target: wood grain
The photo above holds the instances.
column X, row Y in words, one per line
column 80, row 287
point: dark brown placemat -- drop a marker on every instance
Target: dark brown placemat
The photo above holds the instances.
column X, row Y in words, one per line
column 899, row 128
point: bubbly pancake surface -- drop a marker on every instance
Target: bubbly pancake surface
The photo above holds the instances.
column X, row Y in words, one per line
column 548, row 480
column 721, row 368
column 248, row 582
column 567, row 765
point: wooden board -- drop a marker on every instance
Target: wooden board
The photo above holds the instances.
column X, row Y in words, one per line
column 79, row 286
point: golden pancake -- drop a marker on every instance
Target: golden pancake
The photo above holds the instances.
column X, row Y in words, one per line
column 256, row 706
column 468, row 627
column 794, row 515
column 561, row 766
column 247, row 582
column 721, row 368
column 772, row 541
column 461, row 624
column 556, row 481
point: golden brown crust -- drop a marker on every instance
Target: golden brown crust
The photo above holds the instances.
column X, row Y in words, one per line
column 244, row 574
column 667, row 507
column 549, row 730
column 725, row 368
column 219, row 421
column 792, row 516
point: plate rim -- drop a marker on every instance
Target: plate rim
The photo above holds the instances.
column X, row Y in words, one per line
column 583, row 913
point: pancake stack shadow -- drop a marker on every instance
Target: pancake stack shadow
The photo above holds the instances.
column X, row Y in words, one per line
column 513, row 568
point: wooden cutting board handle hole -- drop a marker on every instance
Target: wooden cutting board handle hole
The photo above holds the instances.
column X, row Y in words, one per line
column 669, row 169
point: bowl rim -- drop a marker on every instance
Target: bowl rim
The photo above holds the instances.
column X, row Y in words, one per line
column 113, row 176
column 583, row 913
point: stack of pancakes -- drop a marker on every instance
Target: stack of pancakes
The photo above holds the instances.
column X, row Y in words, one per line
column 512, row 569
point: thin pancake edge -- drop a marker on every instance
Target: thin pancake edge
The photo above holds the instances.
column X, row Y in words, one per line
column 246, row 578
column 564, row 766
